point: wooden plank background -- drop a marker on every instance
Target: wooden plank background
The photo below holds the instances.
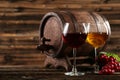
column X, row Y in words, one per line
column 20, row 20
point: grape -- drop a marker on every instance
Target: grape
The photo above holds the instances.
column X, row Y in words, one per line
column 111, row 54
column 111, row 59
column 108, row 64
column 107, row 71
column 102, row 60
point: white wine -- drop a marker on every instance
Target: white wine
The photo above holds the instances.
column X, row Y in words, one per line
column 97, row 39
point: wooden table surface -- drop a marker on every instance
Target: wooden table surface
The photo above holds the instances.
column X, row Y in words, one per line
column 49, row 74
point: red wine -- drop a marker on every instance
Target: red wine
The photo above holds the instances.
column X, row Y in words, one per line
column 74, row 39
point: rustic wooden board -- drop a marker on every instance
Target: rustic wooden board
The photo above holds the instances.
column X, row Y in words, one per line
column 20, row 20
column 50, row 74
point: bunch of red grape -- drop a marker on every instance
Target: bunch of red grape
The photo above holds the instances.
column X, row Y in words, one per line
column 108, row 65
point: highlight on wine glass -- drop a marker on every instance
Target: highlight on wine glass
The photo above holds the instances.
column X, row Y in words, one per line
column 98, row 34
column 74, row 37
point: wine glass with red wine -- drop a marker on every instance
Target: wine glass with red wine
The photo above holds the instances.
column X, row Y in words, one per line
column 74, row 37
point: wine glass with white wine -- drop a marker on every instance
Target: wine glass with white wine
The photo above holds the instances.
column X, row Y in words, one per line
column 98, row 34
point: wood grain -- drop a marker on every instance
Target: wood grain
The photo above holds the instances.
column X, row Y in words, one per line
column 20, row 20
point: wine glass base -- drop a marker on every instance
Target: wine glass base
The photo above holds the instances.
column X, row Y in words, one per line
column 96, row 72
column 74, row 74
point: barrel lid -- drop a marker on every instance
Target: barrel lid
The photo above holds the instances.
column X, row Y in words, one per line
column 51, row 28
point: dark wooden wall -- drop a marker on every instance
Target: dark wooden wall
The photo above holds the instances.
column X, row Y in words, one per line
column 20, row 20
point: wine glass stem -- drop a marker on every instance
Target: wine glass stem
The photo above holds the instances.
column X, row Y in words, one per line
column 74, row 69
column 96, row 64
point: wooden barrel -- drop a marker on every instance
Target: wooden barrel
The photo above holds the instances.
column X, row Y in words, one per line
column 51, row 28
